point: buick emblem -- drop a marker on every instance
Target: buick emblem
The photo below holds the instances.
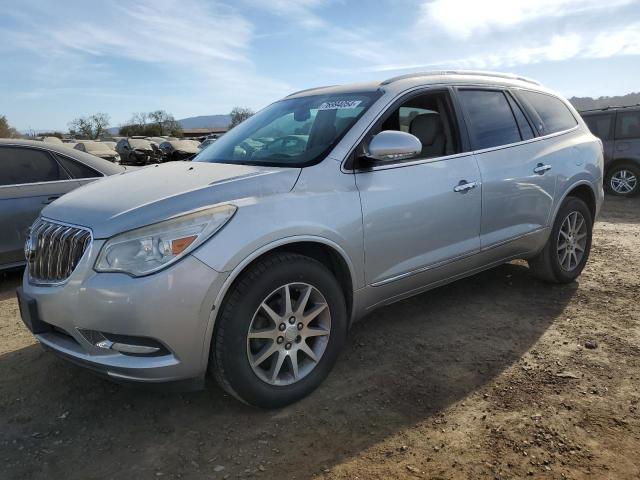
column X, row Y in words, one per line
column 29, row 249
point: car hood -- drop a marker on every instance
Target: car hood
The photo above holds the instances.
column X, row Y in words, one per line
column 155, row 193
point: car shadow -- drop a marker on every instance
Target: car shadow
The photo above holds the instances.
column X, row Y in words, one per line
column 402, row 366
column 9, row 281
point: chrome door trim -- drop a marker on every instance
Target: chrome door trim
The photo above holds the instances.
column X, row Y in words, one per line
column 42, row 183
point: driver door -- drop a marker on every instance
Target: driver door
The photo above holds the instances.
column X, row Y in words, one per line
column 420, row 215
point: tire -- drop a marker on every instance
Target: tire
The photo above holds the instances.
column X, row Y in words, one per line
column 547, row 264
column 266, row 282
column 623, row 180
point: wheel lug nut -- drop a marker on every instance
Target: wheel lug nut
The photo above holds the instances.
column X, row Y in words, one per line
column 292, row 320
column 282, row 327
column 298, row 338
column 300, row 326
column 287, row 346
column 280, row 339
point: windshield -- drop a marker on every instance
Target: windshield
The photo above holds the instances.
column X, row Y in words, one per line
column 184, row 144
column 293, row 132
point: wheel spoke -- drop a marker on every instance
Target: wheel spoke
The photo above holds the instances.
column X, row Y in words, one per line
column 579, row 226
column 277, row 365
column 579, row 247
column 293, row 359
column 316, row 332
column 263, row 333
column 304, row 299
column 564, row 256
column 287, row 300
column 269, row 311
column 313, row 313
column 307, row 351
column 264, row 354
column 562, row 246
column 565, row 235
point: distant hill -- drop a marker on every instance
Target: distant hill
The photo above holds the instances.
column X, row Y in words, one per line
column 587, row 103
column 206, row 121
column 203, row 121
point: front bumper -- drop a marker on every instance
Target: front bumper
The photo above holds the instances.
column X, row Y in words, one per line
column 173, row 307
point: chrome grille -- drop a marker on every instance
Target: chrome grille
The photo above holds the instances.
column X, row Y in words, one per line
column 53, row 250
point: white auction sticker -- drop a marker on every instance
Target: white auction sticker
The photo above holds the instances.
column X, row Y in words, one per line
column 339, row 104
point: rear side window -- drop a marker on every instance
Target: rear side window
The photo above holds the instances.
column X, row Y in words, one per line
column 553, row 113
column 628, row 125
column 491, row 120
column 600, row 125
column 77, row 169
column 28, row 165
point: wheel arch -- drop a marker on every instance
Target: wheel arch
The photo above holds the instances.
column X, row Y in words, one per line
column 325, row 251
column 583, row 190
column 621, row 161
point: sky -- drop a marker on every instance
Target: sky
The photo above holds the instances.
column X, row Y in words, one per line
column 68, row 58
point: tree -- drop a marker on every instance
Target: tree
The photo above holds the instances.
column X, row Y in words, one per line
column 152, row 124
column 239, row 115
column 91, row 127
column 6, row 130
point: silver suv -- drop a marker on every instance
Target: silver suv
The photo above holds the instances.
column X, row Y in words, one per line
column 252, row 261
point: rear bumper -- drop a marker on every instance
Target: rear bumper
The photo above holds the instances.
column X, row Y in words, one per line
column 173, row 307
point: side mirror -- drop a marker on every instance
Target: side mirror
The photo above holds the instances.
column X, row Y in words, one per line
column 392, row 145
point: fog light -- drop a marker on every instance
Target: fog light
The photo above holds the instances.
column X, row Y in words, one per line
column 125, row 344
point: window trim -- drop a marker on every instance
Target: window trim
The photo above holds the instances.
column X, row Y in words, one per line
column 615, row 128
column 349, row 165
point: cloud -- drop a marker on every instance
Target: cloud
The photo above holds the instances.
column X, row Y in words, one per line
column 463, row 18
column 300, row 12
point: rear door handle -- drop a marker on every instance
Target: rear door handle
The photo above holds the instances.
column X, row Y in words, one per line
column 50, row 199
column 464, row 186
column 541, row 169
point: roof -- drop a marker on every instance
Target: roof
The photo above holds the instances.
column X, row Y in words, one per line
column 104, row 166
column 417, row 79
column 609, row 108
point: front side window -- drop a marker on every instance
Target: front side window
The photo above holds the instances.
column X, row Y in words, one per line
column 490, row 117
column 600, row 125
column 628, row 125
column 28, row 165
column 293, row 132
column 553, row 113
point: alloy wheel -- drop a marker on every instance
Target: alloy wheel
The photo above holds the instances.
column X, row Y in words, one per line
column 623, row 182
column 572, row 241
column 288, row 334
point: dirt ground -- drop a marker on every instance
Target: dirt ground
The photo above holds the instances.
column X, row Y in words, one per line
column 489, row 377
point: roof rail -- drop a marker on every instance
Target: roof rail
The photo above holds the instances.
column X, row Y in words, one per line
column 609, row 107
column 479, row 73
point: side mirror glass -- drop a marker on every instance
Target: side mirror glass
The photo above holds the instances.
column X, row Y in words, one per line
column 391, row 145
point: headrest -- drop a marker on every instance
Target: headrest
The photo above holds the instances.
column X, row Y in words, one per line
column 426, row 127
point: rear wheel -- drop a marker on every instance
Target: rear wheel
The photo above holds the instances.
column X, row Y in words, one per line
column 567, row 250
column 279, row 332
column 623, row 180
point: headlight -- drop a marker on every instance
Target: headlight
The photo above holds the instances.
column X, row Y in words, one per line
column 149, row 249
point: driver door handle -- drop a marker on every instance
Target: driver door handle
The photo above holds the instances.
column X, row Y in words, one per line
column 541, row 169
column 464, row 186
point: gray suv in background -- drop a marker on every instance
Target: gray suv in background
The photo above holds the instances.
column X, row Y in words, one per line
column 251, row 261
column 619, row 130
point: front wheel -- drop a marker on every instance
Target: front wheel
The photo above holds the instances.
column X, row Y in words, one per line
column 279, row 332
column 567, row 250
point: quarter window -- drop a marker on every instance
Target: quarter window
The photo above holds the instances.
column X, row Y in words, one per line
column 553, row 112
column 28, row 165
column 628, row 125
column 600, row 125
column 491, row 120
column 77, row 169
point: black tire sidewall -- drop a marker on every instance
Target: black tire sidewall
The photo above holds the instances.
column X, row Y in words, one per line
column 238, row 372
column 624, row 166
column 570, row 205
